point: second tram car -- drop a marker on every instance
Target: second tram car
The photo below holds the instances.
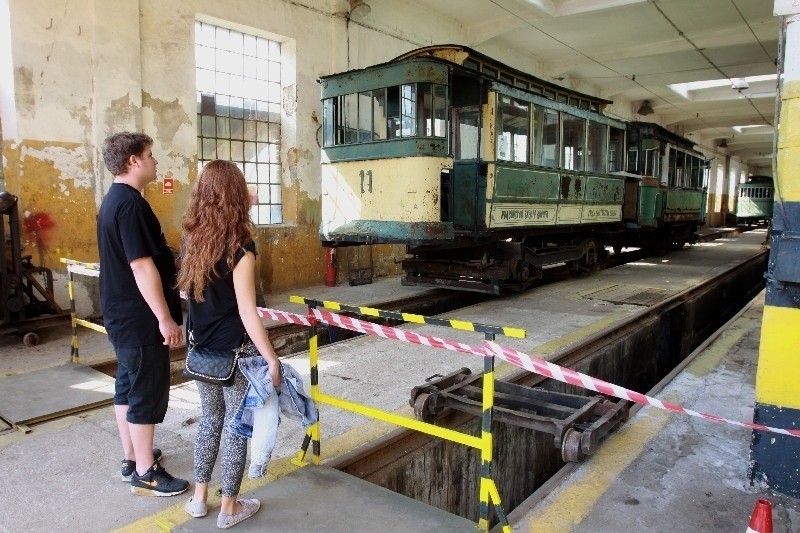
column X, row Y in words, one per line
column 755, row 200
column 488, row 174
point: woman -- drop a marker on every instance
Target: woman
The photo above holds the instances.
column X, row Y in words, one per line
column 218, row 276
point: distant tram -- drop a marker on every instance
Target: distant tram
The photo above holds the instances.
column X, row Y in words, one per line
column 755, row 200
column 488, row 174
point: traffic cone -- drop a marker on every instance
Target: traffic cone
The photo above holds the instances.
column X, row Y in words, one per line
column 761, row 519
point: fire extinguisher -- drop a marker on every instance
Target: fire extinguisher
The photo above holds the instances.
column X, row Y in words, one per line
column 330, row 271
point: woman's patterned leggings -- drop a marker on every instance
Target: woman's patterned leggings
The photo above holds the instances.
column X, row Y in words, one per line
column 219, row 404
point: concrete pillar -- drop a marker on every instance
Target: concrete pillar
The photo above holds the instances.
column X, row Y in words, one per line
column 775, row 458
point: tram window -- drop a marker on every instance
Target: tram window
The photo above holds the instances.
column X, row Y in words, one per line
column 549, row 94
column 596, row 147
column 574, row 137
column 505, row 78
column 467, row 122
column 616, row 149
column 471, row 64
column 440, row 110
column 522, row 84
column 651, row 158
column 694, row 178
column 431, row 110
column 574, row 101
column 379, row 114
column 393, row 112
column 350, row 118
column 491, row 72
column 546, row 129
column 680, row 168
column 584, row 104
column 365, row 117
column 513, row 130
column 673, row 161
column 408, row 110
column 561, row 98
column 328, row 121
column 633, row 159
column 536, row 90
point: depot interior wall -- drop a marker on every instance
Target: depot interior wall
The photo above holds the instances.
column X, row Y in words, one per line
column 93, row 67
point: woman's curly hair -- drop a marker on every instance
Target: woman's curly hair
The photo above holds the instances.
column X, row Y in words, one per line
column 216, row 224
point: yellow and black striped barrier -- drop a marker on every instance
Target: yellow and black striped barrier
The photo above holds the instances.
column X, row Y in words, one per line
column 412, row 318
column 87, row 269
column 489, row 494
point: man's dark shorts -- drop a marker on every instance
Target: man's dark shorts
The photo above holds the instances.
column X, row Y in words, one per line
column 143, row 382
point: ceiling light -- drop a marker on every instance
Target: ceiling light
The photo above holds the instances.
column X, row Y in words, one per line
column 739, row 84
column 359, row 9
column 645, row 108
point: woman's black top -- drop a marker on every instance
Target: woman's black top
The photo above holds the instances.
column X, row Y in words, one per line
column 215, row 323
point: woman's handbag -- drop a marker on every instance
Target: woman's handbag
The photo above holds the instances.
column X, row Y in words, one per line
column 213, row 366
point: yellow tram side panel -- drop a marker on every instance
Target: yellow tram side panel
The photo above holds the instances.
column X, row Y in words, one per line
column 404, row 190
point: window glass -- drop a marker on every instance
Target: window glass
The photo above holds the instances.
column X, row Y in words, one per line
column 408, row 110
column 350, row 118
column 365, row 117
column 616, row 149
column 546, row 128
column 574, row 139
column 393, row 112
column 673, row 160
column 513, row 130
column 440, row 110
column 680, row 169
column 467, row 120
column 652, row 157
column 596, row 147
column 424, row 110
column 489, row 71
column 238, row 84
column 379, row 114
column 328, row 122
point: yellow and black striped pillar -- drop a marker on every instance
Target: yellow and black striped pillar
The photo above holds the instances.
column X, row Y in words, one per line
column 774, row 458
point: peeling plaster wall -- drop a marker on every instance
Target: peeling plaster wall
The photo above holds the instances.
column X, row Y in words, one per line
column 83, row 69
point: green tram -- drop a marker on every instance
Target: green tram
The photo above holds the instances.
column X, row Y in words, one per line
column 485, row 173
column 755, row 200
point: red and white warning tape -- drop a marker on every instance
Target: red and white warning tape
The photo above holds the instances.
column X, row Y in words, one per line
column 515, row 357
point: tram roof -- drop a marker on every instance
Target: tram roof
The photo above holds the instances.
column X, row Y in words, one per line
column 457, row 54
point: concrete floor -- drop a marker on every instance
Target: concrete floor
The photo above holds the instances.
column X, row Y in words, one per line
column 63, row 475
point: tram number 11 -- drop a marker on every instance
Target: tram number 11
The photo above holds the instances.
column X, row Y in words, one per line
column 368, row 175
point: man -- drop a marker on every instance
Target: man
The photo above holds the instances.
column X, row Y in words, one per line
column 141, row 309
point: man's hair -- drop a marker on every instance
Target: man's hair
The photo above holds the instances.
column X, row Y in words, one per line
column 118, row 148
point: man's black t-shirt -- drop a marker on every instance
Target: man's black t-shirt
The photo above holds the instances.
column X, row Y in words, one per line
column 215, row 322
column 127, row 229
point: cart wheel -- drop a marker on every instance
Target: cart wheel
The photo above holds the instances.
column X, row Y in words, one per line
column 422, row 407
column 571, row 446
column 30, row 339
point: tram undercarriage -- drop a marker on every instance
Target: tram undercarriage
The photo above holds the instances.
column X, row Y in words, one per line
column 499, row 267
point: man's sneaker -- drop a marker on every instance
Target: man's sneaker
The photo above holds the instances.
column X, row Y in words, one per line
column 129, row 467
column 157, row 482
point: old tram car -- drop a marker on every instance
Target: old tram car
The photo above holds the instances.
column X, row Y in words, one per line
column 486, row 173
column 755, row 200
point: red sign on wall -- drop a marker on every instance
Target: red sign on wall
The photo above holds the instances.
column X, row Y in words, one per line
column 167, row 186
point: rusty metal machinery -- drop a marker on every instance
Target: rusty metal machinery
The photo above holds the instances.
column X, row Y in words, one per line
column 577, row 423
column 26, row 291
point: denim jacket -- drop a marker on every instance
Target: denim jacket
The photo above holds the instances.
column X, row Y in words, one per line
column 293, row 401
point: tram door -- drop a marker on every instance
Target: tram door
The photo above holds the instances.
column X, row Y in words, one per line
column 466, row 185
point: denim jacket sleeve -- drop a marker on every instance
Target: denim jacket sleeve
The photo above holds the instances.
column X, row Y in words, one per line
column 293, row 400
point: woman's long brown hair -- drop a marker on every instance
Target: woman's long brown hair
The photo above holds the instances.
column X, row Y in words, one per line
column 216, row 224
